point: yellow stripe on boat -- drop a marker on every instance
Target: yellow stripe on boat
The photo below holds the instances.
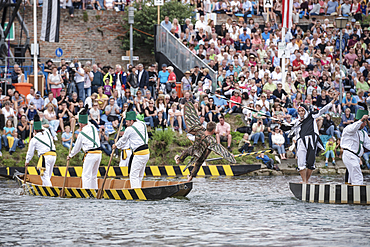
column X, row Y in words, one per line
column 140, row 194
column 124, row 170
column 127, row 194
column 186, row 172
column 201, row 172
column 32, row 170
column 51, row 193
column 214, row 171
column 170, row 171
column 35, row 190
column 41, row 190
column 228, row 170
column 7, row 171
column 78, row 171
column 111, row 172
column 75, row 192
column 84, row 192
column 115, row 194
column 62, row 171
column 155, row 171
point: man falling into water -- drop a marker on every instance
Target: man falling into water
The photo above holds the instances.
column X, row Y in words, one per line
column 204, row 142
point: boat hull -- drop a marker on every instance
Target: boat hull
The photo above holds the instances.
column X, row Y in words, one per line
column 150, row 171
column 332, row 193
column 152, row 193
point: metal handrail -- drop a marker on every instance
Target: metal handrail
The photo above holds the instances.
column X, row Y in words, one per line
column 212, row 73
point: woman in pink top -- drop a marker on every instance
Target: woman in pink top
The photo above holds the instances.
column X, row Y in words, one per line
column 237, row 98
column 350, row 57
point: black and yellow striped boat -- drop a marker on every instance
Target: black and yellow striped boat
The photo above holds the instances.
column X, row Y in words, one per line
column 332, row 193
column 115, row 189
column 150, row 171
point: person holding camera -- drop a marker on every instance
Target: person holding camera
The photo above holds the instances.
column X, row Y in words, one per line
column 257, row 132
column 80, row 81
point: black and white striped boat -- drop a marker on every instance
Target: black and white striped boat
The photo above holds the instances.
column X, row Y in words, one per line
column 332, row 193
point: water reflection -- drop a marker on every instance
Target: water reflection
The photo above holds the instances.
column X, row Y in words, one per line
column 254, row 211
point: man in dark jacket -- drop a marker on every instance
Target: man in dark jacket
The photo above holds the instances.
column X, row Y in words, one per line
column 142, row 78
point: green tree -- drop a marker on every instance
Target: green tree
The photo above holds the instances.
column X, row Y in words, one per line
column 146, row 19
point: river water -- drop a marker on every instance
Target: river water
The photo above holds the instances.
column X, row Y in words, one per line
column 244, row 211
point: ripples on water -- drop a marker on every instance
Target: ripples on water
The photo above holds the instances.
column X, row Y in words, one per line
column 218, row 212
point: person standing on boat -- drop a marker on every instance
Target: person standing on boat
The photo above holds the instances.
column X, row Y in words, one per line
column 89, row 141
column 136, row 137
column 44, row 144
column 354, row 140
column 204, row 142
column 307, row 138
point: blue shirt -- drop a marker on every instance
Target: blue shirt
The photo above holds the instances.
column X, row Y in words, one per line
column 219, row 101
column 11, row 129
column 354, row 100
column 67, row 136
column 265, row 158
column 229, row 72
column 265, row 36
column 332, row 7
column 163, row 76
column 243, row 37
column 168, row 26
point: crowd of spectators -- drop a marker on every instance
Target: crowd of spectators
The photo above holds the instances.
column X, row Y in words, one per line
column 249, row 73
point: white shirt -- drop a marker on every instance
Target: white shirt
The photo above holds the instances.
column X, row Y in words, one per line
column 306, row 58
column 262, row 72
column 265, row 108
column 88, row 101
column 277, row 139
column 29, row 98
column 47, row 101
column 83, row 142
column 351, row 137
column 41, row 148
column 291, row 48
column 276, row 76
column 200, row 24
column 78, row 77
column 131, row 139
column 8, row 113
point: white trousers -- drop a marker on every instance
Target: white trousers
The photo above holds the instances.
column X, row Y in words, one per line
column 90, row 171
column 127, row 160
column 49, row 165
column 301, row 155
column 352, row 163
column 137, row 170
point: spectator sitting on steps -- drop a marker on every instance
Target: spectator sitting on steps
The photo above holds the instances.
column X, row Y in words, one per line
column 223, row 133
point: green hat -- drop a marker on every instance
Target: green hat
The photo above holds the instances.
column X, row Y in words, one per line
column 123, row 128
column 83, row 118
column 140, row 117
column 131, row 115
column 361, row 113
column 37, row 123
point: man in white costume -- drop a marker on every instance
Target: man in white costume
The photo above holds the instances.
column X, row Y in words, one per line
column 44, row 144
column 353, row 141
column 125, row 153
column 136, row 137
column 307, row 138
column 88, row 139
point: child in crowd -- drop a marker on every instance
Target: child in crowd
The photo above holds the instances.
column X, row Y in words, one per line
column 67, row 137
column 329, row 151
column 267, row 161
column 107, row 88
column 31, row 111
column 245, row 145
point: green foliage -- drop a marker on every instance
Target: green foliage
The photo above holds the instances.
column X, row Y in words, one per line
column 161, row 141
column 182, row 141
column 237, row 136
column 85, row 16
column 97, row 17
column 146, row 19
column 365, row 20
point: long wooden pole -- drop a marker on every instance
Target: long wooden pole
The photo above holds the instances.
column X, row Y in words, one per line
column 26, row 167
column 62, row 192
column 159, row 14
column 100, row 192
